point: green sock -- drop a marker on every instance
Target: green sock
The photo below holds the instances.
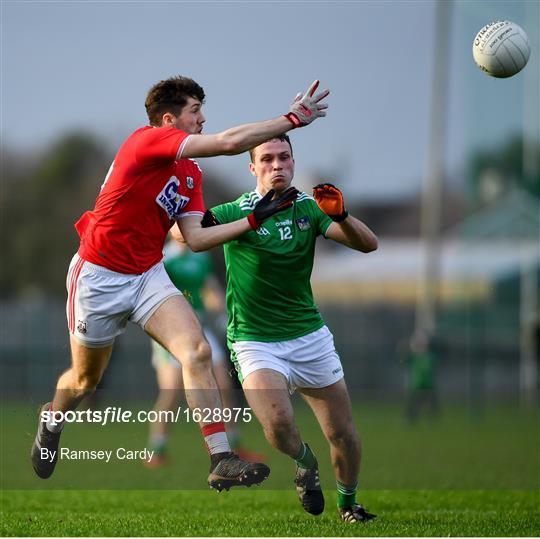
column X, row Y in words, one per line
column 158, row 444
column 346, row 495
column 306, row 458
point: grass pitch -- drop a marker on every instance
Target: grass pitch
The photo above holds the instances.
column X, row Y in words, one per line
column 446, row 477
column 265, row 513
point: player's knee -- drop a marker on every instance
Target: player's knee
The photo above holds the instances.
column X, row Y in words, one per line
column 198, row 356
column 86, row 383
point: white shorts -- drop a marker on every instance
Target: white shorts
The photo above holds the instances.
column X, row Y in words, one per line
column 101, row 301
column 161, row 356
column 310, row 361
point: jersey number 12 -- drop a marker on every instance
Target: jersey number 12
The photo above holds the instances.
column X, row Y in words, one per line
column 285, row 233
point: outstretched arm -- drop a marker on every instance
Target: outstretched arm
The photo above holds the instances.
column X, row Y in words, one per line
column 345, row 229
column 203, row 234
column 202, row 239
column 304, row 110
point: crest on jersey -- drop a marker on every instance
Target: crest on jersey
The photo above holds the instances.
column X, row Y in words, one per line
column 170, row 199
column 189, row 182
column 303, row 223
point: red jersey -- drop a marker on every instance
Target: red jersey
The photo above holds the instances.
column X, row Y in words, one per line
column 144, row 193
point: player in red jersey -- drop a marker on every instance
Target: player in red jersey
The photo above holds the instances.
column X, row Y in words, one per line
column 117, row 274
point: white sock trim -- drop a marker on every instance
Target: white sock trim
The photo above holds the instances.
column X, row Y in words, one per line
column 217, row 443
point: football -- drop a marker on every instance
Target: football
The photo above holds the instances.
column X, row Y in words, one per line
column 501, row 49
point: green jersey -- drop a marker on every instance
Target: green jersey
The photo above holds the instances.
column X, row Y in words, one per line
column 269, row 295
column 421, row 373
column 188, row 272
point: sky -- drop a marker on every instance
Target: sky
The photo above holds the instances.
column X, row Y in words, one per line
column 88, row 65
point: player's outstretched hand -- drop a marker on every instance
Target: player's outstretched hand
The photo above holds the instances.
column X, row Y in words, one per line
column 267, row 206
column 330, row 200
column 307, row 107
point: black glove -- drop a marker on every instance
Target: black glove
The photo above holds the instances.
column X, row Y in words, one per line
column 209, row 219
column 266, row 207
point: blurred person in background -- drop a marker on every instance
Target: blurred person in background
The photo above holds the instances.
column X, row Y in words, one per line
column 420, row 361
column 278, row 340
column 118, row 274
column 536, row 344
column 193, row 274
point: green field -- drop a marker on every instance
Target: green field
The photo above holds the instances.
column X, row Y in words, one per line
column 265, row 513
column 449, row 477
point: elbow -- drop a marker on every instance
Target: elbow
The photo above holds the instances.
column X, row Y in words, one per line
column 371, row 245
column 193, row 244
column 197, row 239
column 196, row 247
column 199, row 248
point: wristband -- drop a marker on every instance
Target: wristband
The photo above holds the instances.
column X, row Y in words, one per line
column 340, row 218
column 253, row 223
column 293, row 118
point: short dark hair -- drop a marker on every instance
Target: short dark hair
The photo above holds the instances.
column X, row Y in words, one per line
column 283, row 137
column 171, row 95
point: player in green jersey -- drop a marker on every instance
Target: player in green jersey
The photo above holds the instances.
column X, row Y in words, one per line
column 193, row 274
column 278, row 340
column 420, row 361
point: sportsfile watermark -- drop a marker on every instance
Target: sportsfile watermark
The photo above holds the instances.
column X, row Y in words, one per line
column 117, row 414
column 126, row 444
